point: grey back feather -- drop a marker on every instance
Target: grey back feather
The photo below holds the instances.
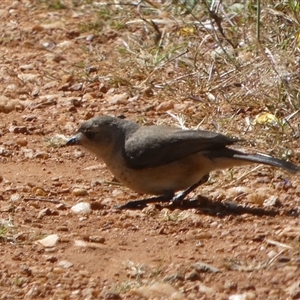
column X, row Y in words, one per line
column 153, row 146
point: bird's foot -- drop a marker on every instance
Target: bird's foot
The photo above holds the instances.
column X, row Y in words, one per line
column 177, row 200
column 139, row 204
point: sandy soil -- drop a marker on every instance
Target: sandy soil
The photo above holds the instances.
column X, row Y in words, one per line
column 242, row 242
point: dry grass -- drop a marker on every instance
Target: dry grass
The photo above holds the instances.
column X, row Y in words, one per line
column 208, row 54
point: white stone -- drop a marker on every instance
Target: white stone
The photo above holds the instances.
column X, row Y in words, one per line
column 81, row 208
column 49, row 241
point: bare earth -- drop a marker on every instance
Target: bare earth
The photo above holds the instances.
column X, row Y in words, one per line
column 242, row 242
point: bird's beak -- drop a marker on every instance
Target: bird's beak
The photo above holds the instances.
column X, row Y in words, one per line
column 74, row 140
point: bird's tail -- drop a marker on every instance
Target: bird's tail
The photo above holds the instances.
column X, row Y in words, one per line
column 267, row 160
column 227, row 158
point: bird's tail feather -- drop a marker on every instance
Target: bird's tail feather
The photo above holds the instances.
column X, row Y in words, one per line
column 267, row 160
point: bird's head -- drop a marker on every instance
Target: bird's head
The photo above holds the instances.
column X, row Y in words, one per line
column 100, row 135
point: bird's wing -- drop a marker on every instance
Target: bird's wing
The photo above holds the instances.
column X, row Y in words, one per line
column 153, row 146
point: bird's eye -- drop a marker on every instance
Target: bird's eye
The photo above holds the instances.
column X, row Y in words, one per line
column 90, row 135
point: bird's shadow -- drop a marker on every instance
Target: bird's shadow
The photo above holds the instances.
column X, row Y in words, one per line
column 206, row 206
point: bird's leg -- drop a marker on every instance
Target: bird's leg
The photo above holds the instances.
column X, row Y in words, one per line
column 178, row 198
column 142, row 203
column 167, row 197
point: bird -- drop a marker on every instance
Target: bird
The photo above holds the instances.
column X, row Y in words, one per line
column 162, row 160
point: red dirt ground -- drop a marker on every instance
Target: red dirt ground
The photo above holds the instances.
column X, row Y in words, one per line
column 252, row 248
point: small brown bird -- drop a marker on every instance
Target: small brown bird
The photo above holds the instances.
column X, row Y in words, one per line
column 162, row 160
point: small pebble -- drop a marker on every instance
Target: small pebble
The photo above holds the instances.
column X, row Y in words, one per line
column 96, row 239
column 81, row 208
column 79, row 192
column 65, row 264
column 49, row 241
column 22, row 142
